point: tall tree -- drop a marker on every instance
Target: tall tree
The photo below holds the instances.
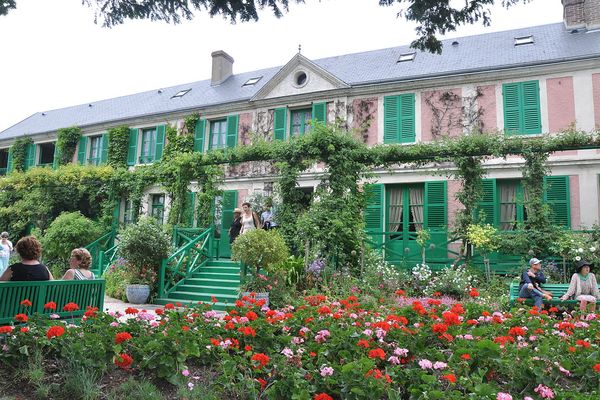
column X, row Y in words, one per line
column 434, row 17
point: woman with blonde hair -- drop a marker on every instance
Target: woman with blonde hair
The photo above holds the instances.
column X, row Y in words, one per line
column 80, row 263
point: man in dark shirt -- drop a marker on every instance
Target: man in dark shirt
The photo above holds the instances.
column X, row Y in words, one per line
column 529, row 287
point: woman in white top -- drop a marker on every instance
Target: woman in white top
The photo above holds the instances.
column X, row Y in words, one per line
column 583, row 287
column 80, row 262
column 250, row 220
column 6, row 248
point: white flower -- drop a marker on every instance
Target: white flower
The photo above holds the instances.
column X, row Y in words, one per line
column 592, row 249
column 577, row 258
column 580, row 250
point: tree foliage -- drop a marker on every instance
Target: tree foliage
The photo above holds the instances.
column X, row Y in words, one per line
column 434, row 17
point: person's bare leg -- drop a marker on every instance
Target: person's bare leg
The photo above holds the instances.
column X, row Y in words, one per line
column 592, row 307
column 582, row 305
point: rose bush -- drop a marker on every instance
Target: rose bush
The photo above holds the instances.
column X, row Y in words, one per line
column 321, row 348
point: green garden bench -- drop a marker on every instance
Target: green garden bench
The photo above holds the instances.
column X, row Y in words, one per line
column 83, row 293
column 557, row 290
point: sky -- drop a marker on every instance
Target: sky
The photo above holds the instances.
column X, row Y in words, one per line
column 52, row 55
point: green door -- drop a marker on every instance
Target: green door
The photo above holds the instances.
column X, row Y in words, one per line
column 404, row 217
column 227, row 204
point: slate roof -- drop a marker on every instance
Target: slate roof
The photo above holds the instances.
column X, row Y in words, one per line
column 490, row 51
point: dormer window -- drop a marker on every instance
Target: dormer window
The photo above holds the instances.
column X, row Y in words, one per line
column 523, row 40
column 406, row 57
column 181, row 93
column 252, row 81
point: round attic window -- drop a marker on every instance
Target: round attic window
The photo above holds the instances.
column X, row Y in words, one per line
column 300, row 78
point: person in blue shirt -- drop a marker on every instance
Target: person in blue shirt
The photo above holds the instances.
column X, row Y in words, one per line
column 531, row 279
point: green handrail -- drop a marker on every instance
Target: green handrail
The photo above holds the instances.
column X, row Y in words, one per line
column 106, row 258
column 184, row 262
column 103, row 243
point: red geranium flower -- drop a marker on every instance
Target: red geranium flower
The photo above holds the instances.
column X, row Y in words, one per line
column 439, row 328
column 91, row 312
column 55, row 331
column 213, row 299
column 21, row 318
column 324, row 310
column 131, row 310
column 377, row 353
column 169, row 306
column 449, row 377
column 122, row 337
column 50, row 306
column 70, row 307
column 466, row 356
column 583, row 343
column 26, row 303
column 261, row 358
column 516, row 331
column 451, row 318
column 597, row 367
column 400, row 292
column 159, row 311
column 363, row 343
column 262, row 382
column 25, row 329
column 247, row 347
column 247, row 331
column 473, row 293
column 6, row 329
column 322, row 396
column 251, row 315
column 123, row 361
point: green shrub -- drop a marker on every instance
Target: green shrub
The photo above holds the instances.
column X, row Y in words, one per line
column 117, row 278
column 144, row 243
column 67, row 232
column 260, row 249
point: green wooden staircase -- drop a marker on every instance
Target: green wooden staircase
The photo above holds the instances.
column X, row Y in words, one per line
column 219, row 279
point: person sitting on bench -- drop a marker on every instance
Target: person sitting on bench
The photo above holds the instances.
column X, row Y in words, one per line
column 531, row 279
column 583, row 287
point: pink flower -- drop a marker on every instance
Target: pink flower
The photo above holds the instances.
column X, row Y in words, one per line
column 439, row 365
column 503, row 396
column 326, row 371
column 394, row 360
column 544, row 391
column 185, row 372
column 401, row 352
column 425, row 364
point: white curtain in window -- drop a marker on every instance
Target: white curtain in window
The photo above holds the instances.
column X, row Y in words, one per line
column 508, row 206
column 416, row 206
column 395, row 207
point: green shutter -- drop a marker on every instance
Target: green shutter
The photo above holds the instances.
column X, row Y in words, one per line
column 132, row 150
column 435, row 210
column 319, row 112
column 56, row 159
column 532, row 120
column 160, row 142
column 30, row 157
column 391, row 106
column 374, row 213
column 9, row 164
column 199, row 133
column 104, row 149
column 232, row 131
column 81, row 151
column 279, row 117
column 557, row 196
column 435, row 216
column 512, row 108
column 488, row 204
column 407, row 118
column 228, row 204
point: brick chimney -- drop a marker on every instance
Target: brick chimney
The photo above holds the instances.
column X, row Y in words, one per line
column 222, row 67
column 581, row 14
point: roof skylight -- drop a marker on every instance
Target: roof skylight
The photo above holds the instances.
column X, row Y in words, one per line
column 181, row 93
column 406, row 57
column 252, row 81
column 521, row 40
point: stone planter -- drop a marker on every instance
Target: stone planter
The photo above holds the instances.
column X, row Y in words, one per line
column 137, row 294
column 259, row 296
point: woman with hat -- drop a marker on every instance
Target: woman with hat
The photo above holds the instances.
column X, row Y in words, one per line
column 583, row 287
column 236, row 225
column 6, row 248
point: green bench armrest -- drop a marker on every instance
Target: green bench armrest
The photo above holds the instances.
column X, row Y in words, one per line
column 557, row 290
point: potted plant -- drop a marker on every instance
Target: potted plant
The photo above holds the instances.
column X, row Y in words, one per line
column 143, row 245
column 261, row 251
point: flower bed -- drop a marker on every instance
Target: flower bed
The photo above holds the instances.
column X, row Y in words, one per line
column 322, row 349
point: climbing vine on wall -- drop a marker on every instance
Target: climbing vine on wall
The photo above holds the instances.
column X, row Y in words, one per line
column 118, row 144
column 19, row 153
column 66, row 143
